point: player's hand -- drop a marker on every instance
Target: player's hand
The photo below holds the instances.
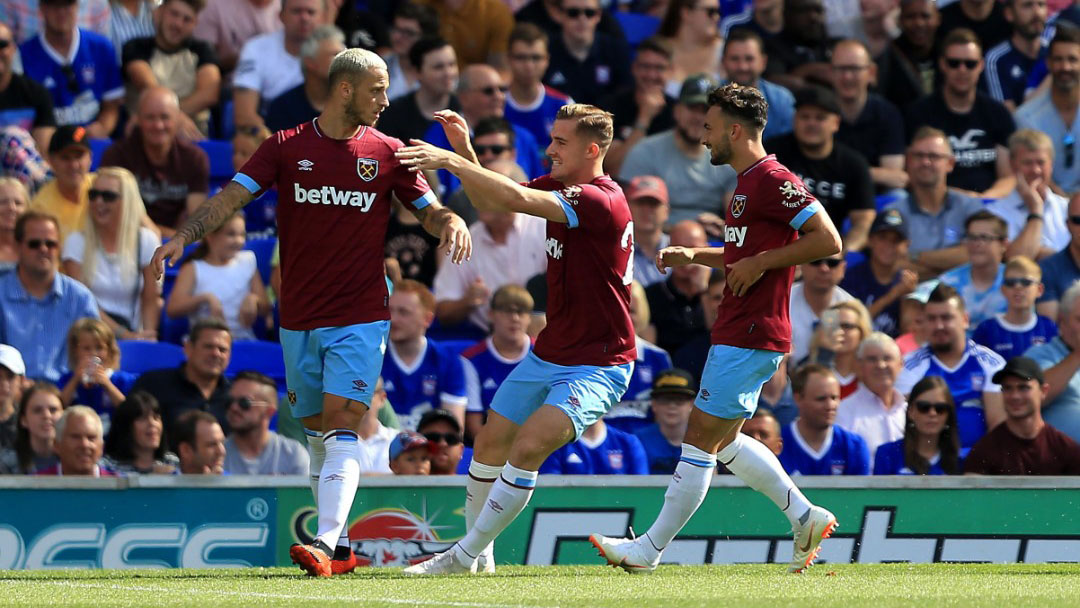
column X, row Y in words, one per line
column 422, row 156
column 456, row 239
column 456, row 129
column 669, row 257
column 171, row 251
column 743, row 274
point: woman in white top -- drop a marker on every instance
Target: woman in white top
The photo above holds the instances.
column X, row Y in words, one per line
column 111, row 255
column 693, row 29
column 14, row 199
column 221, row 279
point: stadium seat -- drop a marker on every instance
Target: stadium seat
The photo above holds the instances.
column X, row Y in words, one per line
column 458, row 345
column 264, row 253
column 265, row 357
column 138, row 357
column 97, row 149
column 636, row 26
column 220, row 154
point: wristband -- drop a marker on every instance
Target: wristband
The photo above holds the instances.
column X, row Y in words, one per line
column 1034, row 216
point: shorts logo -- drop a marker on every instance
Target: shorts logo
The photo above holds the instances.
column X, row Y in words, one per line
column 367, row 168
column 704, row 394
column 573, row 401
column 360, row 385
column 291, row 394
column 738, row 205
column 794, row 194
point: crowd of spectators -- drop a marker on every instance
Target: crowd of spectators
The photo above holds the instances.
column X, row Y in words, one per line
column 940, row 137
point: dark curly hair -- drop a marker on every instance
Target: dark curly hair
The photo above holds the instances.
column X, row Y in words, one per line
column 745, row 104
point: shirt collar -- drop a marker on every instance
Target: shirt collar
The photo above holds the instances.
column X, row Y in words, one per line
column 16, row 291
column 53, row 54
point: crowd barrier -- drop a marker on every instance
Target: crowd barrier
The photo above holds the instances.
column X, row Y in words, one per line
column 208, row 522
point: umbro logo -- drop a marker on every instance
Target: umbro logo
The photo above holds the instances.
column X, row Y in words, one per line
column 305, row 165
column 335, row 477
column 360, row 385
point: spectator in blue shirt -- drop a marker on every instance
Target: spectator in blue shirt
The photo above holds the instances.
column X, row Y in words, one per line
column 979, row 281
column 79, row 68
column 1012, row 332
column 744, row 61
column 37, row 303
column 530, row 104
column 882, row 279
column 1009, row 63
column 1060, row 359
column 419, row 374
column 449, row 456
column 931, row 442
column 813, row 445
column 95, row 379
column 1062, row 269
column 672, row 400
column 601, row 450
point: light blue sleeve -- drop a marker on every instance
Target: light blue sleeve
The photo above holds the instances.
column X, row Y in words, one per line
column 806, row 213
column 245, row 181
column 568, row 209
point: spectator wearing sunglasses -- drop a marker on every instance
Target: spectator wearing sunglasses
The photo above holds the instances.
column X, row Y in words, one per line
column 586, row 63
column 1060, row 361
column 37, row 303
column 80, row 69
column 252, row 448
column 23, row 102
column 65, row 196
column 1025, row 443
column 977, row 125
column 930, row 444
column 692, row 28
column 979, row 280
column 1044, row 111
column 818, row 291
column 1013, row 332
column 494, row 143
column 443, row 432
column 1036, row 215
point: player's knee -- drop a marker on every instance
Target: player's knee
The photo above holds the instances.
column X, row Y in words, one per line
column 344, row 418
column 529, row 452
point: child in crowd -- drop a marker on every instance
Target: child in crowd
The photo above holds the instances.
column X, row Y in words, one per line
column 95, row 380
column 1011, row 333
column 221, row 279
column 410, row 454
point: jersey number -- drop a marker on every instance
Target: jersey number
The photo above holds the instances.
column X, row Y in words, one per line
column 627, row 243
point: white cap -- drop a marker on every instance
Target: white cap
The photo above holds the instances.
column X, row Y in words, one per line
column 12, row 359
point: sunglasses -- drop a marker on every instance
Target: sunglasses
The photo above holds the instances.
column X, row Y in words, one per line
column 924, row 407
column 495, row 149
column 830, row 262
column 106, row 195
column 451, row 439
column 243, row 402
column 954, row 64
column 72, row 81
column 1069, row 141
column 1018, row 282
column 575, row 13
column 48, row 243
column 490, row 91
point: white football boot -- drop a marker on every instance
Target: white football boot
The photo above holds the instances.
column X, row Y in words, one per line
column 819, row 525
column 624, row 553
column 446, row 562
column 485, row 562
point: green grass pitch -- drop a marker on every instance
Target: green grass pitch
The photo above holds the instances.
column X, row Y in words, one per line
column 883, row 585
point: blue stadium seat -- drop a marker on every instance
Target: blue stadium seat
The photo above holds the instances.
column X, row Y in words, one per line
column 265, row 357
column 264, row 253
column 220, row 153
column 97, row 149
column 458, row 345
column 636, row 26
column 137, row 357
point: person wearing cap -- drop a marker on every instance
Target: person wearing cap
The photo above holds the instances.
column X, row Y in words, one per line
column 695, row 186
column 410, row 454
column 744, row 61
column 586, row 63
column 813, row 443
column 933, row 212
column 835, row 174
column 869, row 124
column 23, row 102
column 648, row 199
column 882, row 279
column 643, row 108
column 672, row 398
column 251, row 447
column 601, row 450
column 66, row 197
column 1036, row 215
column 79, row 67
column 1060, row 360
column 1024, row 444
column 443, row 432
column 979, row 280
column 12, row 371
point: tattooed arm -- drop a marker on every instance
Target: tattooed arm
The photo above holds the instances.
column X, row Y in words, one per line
column 207, row 218
column 449, row 227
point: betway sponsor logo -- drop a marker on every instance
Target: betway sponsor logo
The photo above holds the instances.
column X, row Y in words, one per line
column 329, row 195
column 735, row 234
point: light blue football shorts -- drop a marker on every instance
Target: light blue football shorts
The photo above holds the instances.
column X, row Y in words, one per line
column 732, row 380
column 342, row 361
column 583, row 392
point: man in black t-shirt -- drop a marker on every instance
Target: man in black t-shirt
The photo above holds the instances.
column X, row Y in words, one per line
column 173, row 58
column 409, row 116
column 643, row 108
column 303, row 103
column 586, row 63
column 23, row 102
column 834, row 173
column 978, row 127
column 800, row 54
column 984, row 17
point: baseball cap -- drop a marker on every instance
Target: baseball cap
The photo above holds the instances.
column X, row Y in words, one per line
column 68, row 136
column 647, row 186
column 923, row 290
column 407, row 440
column 817, row 96
column 1020, row 367
column 890, row 220
column 695, row 89
column 11, row 358
column 439, row 415
column 674, row 381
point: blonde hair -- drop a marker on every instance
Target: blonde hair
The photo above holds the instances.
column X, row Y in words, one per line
column 1024, row 264
column 132, row 216
column 20, row 188
column 862, row 315
column 98, row 330
column 1030, row 140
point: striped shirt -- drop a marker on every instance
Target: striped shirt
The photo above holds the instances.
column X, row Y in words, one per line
column 125, row 26
column 1006, row 75
column 39, row 328
column 23, row 17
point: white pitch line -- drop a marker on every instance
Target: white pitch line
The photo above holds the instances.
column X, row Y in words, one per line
column 280, row 596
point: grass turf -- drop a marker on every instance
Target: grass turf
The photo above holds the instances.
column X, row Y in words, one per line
column 879, row 585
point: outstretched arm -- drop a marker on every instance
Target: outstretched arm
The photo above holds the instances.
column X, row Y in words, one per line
column 207, row 218
column 669, row 257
